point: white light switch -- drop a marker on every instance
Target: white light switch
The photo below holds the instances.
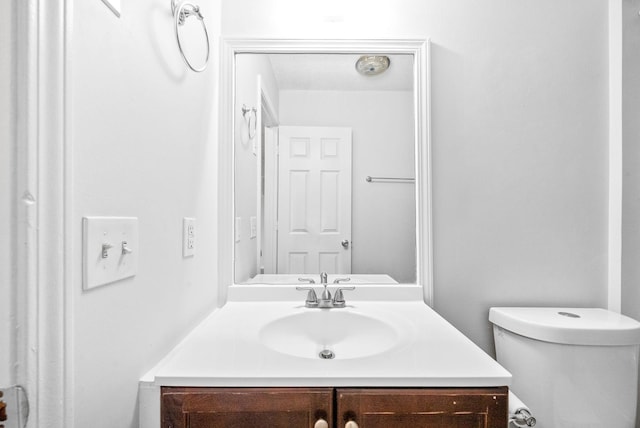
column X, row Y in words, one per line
column 188, row 237
column 110, row 249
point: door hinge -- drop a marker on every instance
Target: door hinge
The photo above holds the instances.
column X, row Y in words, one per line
column 14, row 407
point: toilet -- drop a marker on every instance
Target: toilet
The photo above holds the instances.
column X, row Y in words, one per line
column 572, row 367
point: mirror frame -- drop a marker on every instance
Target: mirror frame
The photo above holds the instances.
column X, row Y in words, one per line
column 419, row 48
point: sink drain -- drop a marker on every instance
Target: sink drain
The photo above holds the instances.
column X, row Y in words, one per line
column 327, row 354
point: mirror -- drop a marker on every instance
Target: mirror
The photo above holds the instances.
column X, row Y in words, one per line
column 325, row 166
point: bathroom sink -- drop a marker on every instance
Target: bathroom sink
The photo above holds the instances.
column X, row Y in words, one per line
column 332, row 333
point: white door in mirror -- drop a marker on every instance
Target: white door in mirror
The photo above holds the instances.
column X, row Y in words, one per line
column 314, row 200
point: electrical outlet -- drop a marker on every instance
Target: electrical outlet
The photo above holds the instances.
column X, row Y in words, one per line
column 188, row 237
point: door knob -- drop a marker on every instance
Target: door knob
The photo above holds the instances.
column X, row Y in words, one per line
column 345, row 243
column 321, row 423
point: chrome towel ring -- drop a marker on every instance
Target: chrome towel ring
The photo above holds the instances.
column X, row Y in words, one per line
column 251, row 120
column 181, row 12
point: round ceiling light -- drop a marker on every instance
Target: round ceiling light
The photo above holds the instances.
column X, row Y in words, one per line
column 372, row 65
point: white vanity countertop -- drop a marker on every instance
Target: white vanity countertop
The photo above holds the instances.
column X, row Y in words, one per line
column 226, row 350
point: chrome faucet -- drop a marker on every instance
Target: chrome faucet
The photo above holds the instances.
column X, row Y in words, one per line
column 325, row 297
column 325, row 301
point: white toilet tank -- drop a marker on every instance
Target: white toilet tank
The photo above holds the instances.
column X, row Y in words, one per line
column 573, row 367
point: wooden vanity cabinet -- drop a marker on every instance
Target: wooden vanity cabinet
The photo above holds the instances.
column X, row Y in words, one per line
column 245, row 407
column 432, row 407
column 303, row 407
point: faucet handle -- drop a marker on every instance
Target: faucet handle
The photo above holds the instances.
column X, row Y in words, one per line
column 338, row 297
column 312, row 299
column 309, row 280
column 339, row 280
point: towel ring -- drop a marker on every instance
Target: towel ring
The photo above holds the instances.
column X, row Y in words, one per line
column 180, row 13
column 252, row 116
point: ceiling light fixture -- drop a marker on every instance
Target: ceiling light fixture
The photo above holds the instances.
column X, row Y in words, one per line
column 372, row 65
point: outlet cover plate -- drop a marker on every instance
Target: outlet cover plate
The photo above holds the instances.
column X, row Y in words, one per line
column 118, row 264
column 188, row 237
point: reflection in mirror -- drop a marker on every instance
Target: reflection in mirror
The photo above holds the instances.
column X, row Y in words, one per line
column 324, row 169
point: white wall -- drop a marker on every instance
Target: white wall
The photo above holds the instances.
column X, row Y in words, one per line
column 519, row 127
column 6, row 196
column 143, row 137
column 248, row 67
column 383, row 216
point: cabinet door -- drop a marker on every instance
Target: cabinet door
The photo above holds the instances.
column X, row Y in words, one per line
column 245, row 407
column 432, row 408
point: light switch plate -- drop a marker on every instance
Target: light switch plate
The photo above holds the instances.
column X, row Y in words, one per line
column 110, row 250
column 188, row 237
column 114, row 6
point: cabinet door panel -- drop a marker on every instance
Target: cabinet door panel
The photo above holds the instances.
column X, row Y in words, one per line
column 245, row 407
column 424, row 420
column 248, row 419
column 432, row 408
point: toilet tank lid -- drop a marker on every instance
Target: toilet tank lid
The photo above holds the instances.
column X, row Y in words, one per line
column 572, row 326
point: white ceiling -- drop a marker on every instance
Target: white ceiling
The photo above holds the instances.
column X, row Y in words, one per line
column 338, row 72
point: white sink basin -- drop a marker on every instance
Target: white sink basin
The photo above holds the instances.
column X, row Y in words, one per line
column 345, row 335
